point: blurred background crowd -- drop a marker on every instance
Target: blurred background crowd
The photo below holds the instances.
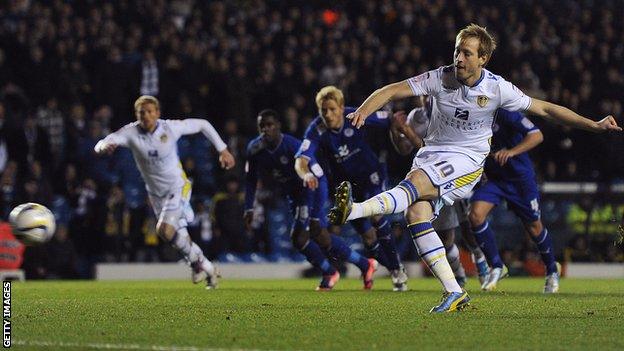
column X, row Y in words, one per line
column 70, row 71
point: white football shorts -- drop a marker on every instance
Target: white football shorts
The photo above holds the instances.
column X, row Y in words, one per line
column 453, row 173
column 174, row 208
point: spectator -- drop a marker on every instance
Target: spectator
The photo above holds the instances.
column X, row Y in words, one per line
column 228, row 208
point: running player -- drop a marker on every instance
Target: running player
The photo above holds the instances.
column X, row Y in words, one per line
column 153, row 142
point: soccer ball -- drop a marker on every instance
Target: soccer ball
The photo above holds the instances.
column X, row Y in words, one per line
column 33, row 224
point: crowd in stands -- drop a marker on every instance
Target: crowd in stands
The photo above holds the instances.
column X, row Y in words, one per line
column 70, row 71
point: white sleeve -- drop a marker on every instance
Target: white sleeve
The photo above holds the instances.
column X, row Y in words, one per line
column 119, row 138
column 196, row 125
column 428, row 83
column 512, row 98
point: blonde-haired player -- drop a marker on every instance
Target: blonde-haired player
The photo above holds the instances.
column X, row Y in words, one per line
column 465, row 97
column 153, row 142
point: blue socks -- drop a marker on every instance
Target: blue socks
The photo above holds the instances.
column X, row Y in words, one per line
column 387, row 244
column 487, row 242
column 544, row 246
column 315, row 256
column 341, row 252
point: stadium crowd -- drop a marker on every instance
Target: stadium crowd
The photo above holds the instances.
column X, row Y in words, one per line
column 69, row 72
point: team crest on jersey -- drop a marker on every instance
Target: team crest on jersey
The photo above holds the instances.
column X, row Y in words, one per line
column 348, row 132
column 163, row 138
column 482, row 100
column 284, row 160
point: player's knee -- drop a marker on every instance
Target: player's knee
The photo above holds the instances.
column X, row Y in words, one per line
column 165, row 230
column 321, row 236
column 414, row 214
column 422, row 183
column 299, row 239
column 535, row 228
column 369, row 237
column 476, row 218
column 376, row 221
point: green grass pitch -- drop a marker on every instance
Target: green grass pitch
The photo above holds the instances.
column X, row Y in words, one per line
column 289, row 315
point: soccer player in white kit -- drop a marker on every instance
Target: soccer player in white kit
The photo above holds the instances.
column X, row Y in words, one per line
column 153, row 142
column 464, row 97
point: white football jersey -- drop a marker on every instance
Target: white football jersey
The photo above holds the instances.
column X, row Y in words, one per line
column 462, row 116
column 156, row 154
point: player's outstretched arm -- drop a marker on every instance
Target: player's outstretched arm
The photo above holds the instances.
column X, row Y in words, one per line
column 379, row 98
column 563, row 115
column 195, row 125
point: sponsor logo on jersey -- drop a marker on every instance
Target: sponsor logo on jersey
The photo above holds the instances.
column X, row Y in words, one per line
column 461, row 114
column 482, row 100
column 152, row 153
column 305, row 145
column 348, row 132
column 163, row 138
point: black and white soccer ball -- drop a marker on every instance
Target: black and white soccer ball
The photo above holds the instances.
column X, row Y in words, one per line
column 32, row 223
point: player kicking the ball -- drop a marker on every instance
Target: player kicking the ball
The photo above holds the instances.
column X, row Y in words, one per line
column 465, row 97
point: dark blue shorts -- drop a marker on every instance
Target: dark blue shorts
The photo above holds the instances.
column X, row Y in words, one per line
column 521, row 197
column 308, row 205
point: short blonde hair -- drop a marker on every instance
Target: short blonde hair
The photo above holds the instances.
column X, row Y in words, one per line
column 329, row 92
column 146, row 99
column 487, row 44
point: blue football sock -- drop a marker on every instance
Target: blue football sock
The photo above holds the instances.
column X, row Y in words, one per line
column 387, row 244
column 544, row 245
column 487, row 242
column 340, row 251
column 376, row 252
column 315, row 256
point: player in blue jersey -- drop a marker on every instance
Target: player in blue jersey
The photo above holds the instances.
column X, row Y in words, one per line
column 510, row 177
column 350, row 157
column 270, row 156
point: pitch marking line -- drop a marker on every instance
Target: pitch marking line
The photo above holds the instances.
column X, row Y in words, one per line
column 106, row 346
